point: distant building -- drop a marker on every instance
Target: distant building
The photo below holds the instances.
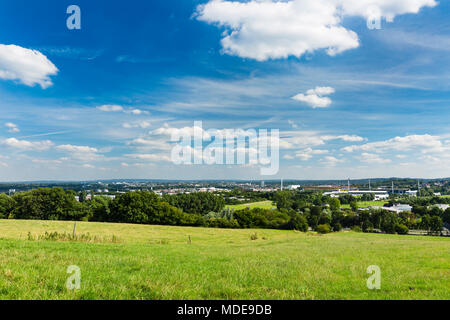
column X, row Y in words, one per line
column 379, row 194
column 442, row 206
column 398, row 208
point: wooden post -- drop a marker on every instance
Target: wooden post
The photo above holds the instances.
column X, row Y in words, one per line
column 74, row 229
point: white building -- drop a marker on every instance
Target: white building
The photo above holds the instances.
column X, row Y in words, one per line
column 442, row 206
column 398, row 208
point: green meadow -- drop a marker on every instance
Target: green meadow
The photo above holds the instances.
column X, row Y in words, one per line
column 160, row 262
column 366, row 204
column 261, row 204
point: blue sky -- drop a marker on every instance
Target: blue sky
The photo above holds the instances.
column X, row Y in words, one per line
column 165, row 64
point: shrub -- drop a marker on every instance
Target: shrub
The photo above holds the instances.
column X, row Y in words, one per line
column 254, row 236
column 356, row 229
column 298, row 222
column 261, row 218
column 401, row 229
column 222, row 223
column 323, row 228
column 337, row 227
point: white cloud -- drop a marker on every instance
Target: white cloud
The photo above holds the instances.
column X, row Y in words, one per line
column 136, row 112
column 321, row 91
column 309, row 153
column 13, row 128
column 83, row 153
column 118, row 108
column 387, row 9
column 426, row 143
column 110, row 108
column 330, row 161
column 270, row 29
column 348, row 138
column 72, row 148
column 29, row 67
column 373, row 158
column 150, row 157
column 150, row 144
column 27, row 145
column 138, row 124
column 315, row 97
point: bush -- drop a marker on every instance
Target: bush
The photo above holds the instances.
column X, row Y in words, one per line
column 261, row 218
column 298, row 222
column 196, row 203
column 323, row 228
column 401, row 229
column 356, row 229
column 222, row 223
column 337, row 227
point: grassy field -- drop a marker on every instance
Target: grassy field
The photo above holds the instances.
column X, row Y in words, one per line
column 262, row 204
column 158, row 262
column 366, row 204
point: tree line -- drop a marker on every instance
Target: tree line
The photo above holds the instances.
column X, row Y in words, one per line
column 295, row 210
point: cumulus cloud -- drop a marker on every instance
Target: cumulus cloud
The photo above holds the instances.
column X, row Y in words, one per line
column 83, row 153
column 330, row 161
column 426, row 142
column 272, row 29
column 315, row 98
column 12, row 128
column 27, row 66
column 27, row 145
column 373, row 158
column 309, row 153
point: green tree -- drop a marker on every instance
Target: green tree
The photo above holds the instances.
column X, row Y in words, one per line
column 436, row 224
column 283, row 200
column 446, row 216
column 401, row 229
column 48, row 204
column 6, row 205
column 354, row 206
column 196, row 203
column 323, row 228
column 298, row 222
column 389, row 221
column 335, row 204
